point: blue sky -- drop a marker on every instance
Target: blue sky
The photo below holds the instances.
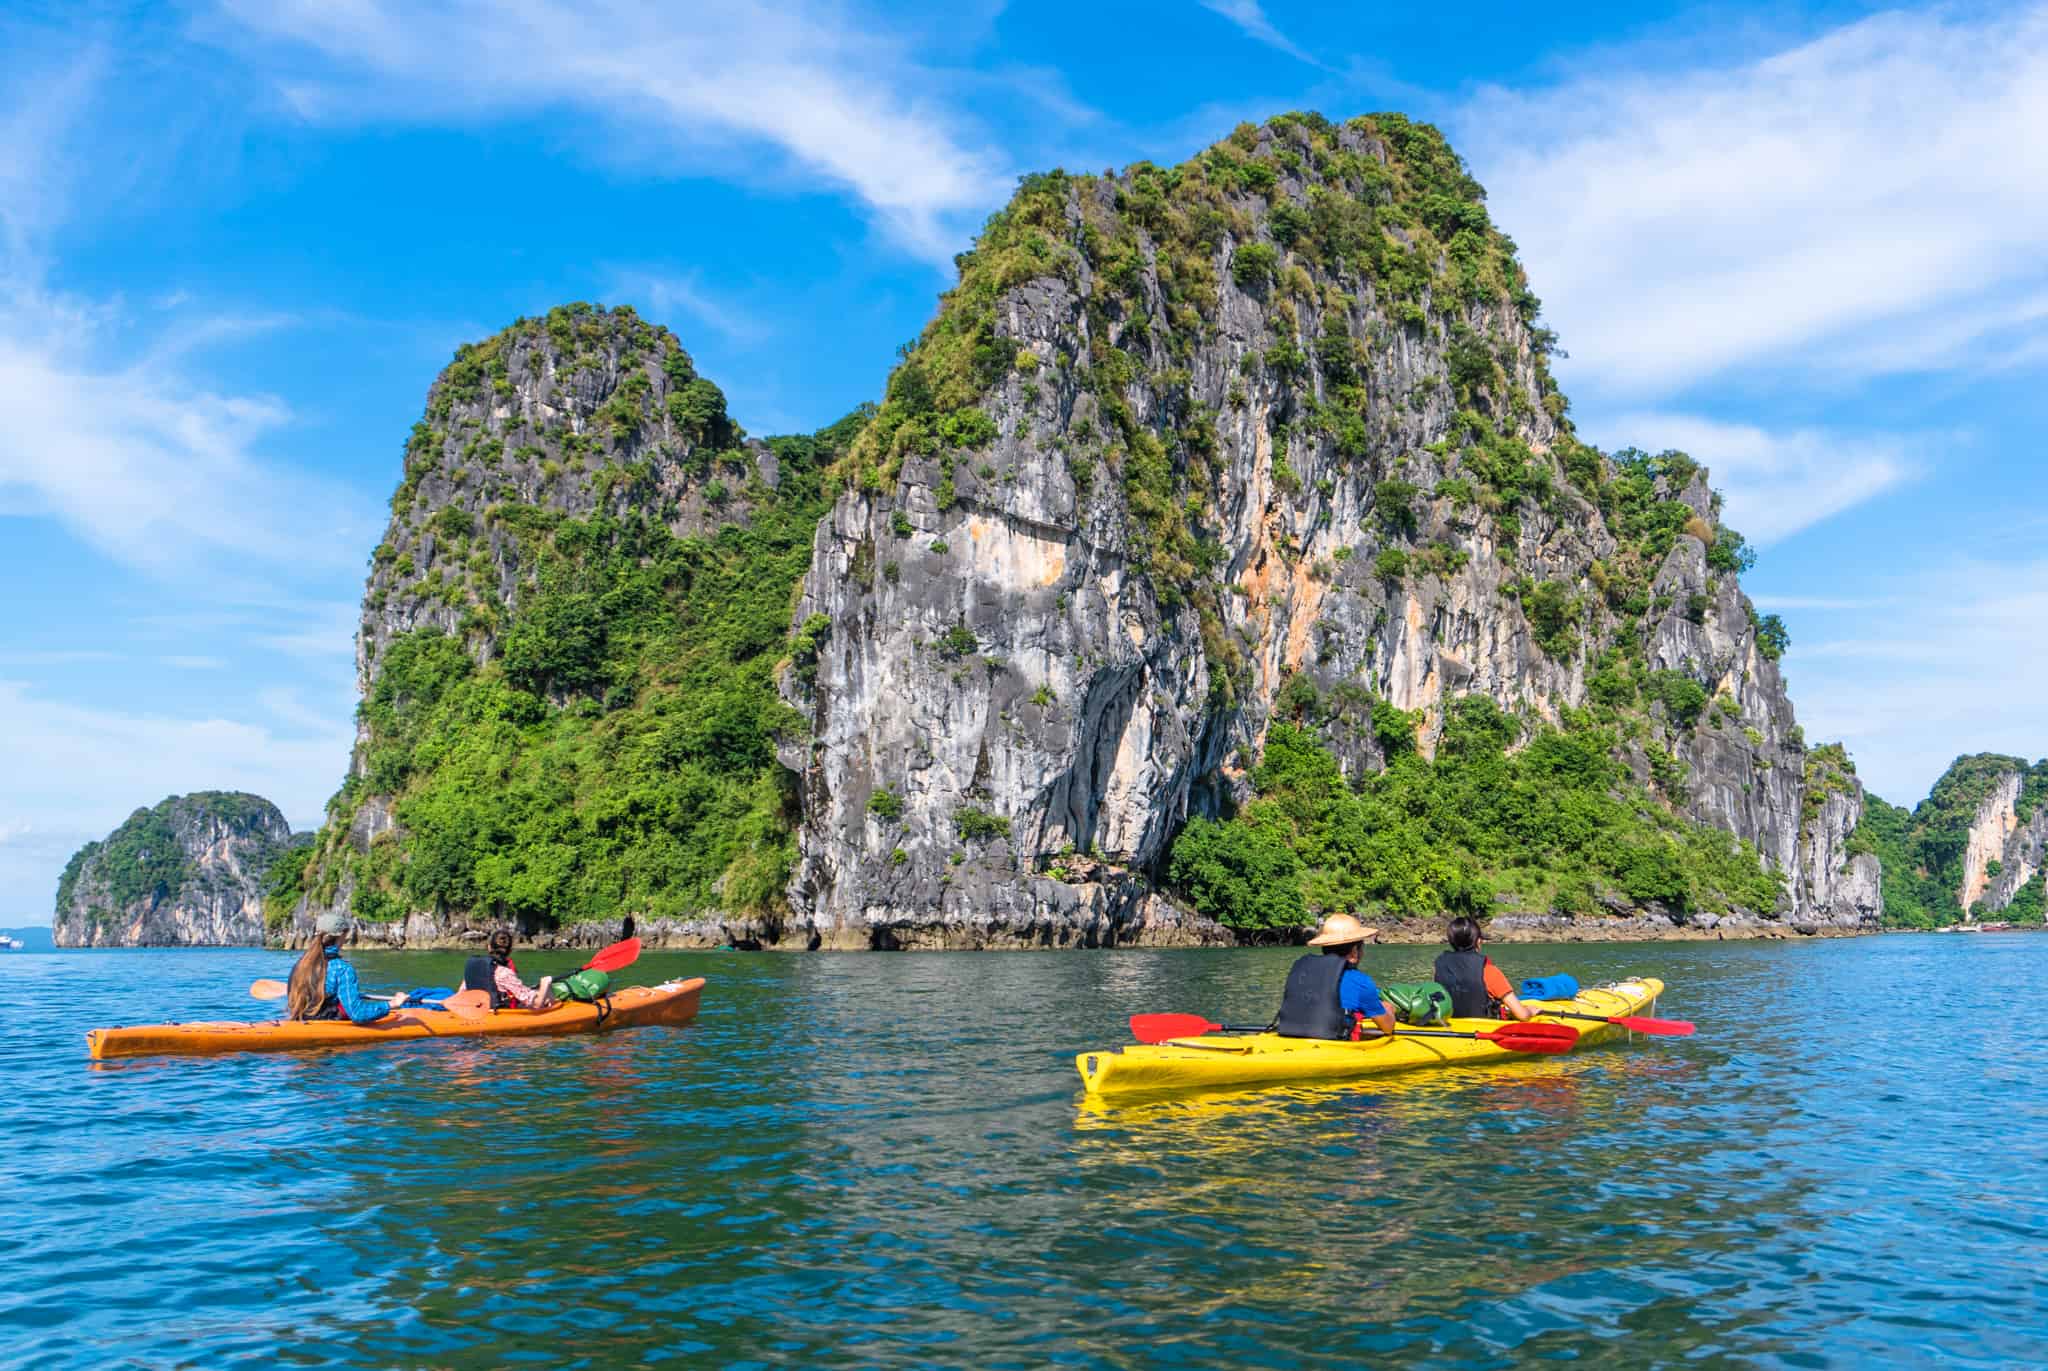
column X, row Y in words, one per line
column 238, row 239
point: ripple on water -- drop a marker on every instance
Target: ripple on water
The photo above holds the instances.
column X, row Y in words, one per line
column 884, row 1161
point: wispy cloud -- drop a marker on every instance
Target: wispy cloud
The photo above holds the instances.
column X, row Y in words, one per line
column 184, row 662
column 662, row 295
column 1250, row 16
column 80, row 771
column 112, row 433
column 1907, row 702
column 1775, row 483
column 1869, row 202
column 827, row 93
column 1822, row 604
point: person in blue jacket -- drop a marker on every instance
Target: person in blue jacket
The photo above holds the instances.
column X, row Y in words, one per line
column 1326, row 995
column 324, row 985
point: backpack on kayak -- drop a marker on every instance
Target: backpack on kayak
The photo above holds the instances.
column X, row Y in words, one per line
column 1420, row 1003
column 583, row 985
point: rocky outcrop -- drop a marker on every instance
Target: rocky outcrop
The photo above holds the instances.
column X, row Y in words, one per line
column 1279, row 414
column 188, row 873
column 590, row 425
column 2002, row 852
column 586, row 411
column 1186, row 452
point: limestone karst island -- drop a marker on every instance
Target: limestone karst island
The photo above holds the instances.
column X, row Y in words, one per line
column 1221, row 554
column 852, row 686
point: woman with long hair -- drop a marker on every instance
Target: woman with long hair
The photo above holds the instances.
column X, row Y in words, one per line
column 324, row 986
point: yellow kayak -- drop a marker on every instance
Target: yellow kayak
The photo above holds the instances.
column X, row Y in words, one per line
column 673, row 1003
column 1216, row 1061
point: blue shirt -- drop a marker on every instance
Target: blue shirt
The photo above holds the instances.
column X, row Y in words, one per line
column 343, row 986
column 1358, row 995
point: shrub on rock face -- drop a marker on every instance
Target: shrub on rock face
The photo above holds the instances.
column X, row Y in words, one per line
column 1682, row 697
column 978, row 825
column 1241, row 876
column 1253, row 265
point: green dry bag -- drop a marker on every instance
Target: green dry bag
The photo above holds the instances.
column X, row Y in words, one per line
column 583, row 985
column 1418, row 1002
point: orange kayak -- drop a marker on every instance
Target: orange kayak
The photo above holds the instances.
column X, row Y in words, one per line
column 673, row 1004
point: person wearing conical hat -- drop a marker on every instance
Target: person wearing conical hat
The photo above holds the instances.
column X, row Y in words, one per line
column 1326, row 995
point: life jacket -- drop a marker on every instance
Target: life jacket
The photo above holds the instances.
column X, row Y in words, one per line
column 481, row 973
column 1309, row 1004
column 1464, row 975
column 329, row 1006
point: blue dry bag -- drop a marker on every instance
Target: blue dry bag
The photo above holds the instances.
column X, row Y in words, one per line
column 1549, row 988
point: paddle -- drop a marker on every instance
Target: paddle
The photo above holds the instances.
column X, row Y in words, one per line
column 267, row 989
column 1634, row 1023
column 468, row 1004
column 617, row 957
column 1514, row 1037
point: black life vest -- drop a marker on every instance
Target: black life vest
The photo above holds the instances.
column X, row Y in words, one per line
column 481, row 973
column 1309, row 1005
column 1464, row 975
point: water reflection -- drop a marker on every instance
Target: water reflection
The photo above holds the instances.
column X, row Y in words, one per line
column 887, row 1161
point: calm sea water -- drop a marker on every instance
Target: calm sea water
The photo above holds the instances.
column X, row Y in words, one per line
column 885, row 1160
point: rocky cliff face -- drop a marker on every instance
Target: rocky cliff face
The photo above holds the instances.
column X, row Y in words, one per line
column 565, row 649
column 1973, row 848
column 189, row 872
column 587, row 412
column 1182, row 437
column 2002, row 851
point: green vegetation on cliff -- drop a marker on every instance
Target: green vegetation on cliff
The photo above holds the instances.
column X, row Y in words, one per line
column 1922, row 849
column 1357, row 241
column 617, row 755
column 146, row 858
column 1557, row 824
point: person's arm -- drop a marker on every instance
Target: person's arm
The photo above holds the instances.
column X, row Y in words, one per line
column 1359, row 995
column 1504, row 994
column 343, row 985
column 516, row 992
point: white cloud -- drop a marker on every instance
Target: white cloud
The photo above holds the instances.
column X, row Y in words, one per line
column 184, row 662
column 76, row 772
column 1820, row 604
column 1870, row 202
column 717, row 82
column 661, row 295
column 120, row 441
column 1250, row 16
column 1949, row 674
column 1775, row 483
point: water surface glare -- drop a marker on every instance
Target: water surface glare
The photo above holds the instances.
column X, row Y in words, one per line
column 886, row 1160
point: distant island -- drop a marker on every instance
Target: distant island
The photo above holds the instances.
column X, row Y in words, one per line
column 1975, row 848
column 190, row 871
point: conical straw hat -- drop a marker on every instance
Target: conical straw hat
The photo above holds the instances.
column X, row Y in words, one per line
column 1339, row 930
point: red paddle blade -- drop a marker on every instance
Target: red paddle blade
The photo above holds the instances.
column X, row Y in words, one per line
column 1670, row 1028
column 1555, row 1032
column 1516, row 1042
column 615, row 957
column 1157, row 1028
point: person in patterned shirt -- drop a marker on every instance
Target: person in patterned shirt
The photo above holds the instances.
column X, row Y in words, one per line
column 505, row 977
